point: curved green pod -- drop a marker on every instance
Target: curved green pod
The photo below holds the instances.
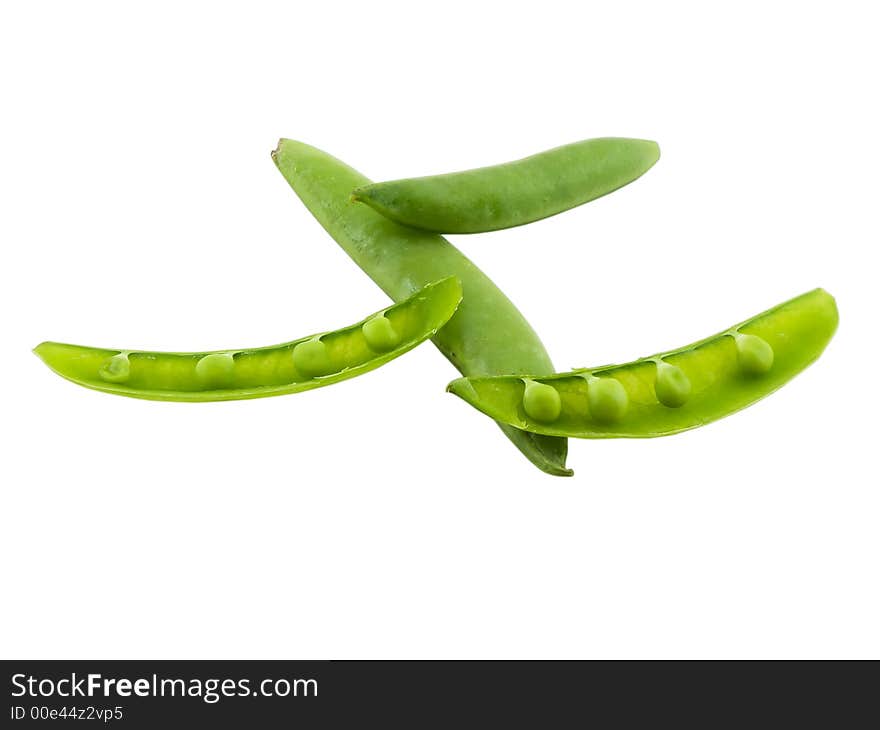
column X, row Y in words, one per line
column 487, row 335
column 291, row 367
column 515, row 193
column 669, row 392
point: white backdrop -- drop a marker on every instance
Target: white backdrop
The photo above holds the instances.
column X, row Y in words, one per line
column 383, row 517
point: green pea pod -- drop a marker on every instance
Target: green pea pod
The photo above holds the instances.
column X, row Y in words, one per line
column 303, row 364
column 487, row 335
column 669, row 392
column 515, row 193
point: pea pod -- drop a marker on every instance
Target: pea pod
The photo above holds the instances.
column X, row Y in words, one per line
column 303, row 364
column 669, row 392
column 514, row 193
column 487, row 335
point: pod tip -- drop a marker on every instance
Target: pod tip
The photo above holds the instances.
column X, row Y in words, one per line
column 463, row 389
column 360, row 194
column 274, row 153
column 40, row 349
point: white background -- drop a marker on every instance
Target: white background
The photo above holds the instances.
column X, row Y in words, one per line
column 382, row 517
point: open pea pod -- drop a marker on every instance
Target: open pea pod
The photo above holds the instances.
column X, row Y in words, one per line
column 670, row 392
column 291, row 367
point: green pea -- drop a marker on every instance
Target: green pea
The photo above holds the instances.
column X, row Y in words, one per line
column 290, row 367
column 311, row 359
column 781, row 342
column 672, row 386
column 607, row 399
column 116, row 369
column 755, row 354
column 216, row 370
column 541, row 402
column 514, row 193
column 380, row 334
column 487, row 336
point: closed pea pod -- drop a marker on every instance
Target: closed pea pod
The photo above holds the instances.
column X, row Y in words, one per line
column 514, row 193
column 673, row 391
column 290, row 367
column 487, row 335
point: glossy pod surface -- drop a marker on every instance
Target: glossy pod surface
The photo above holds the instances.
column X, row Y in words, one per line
column 487, row 335
column 514, row 193
column 670, row 392
column 291, row 367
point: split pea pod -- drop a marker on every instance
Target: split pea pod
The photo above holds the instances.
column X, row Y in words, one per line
column 291, row 367
column 514, row 193
column 486, row 336
column 670, row 392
